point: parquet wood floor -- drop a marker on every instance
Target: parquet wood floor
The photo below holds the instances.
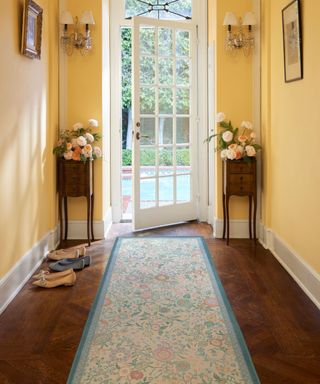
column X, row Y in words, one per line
column 41, row 329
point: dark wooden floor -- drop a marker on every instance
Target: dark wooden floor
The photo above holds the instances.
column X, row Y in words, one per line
column 41, row 329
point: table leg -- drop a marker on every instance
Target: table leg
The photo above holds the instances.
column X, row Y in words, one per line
column 250, row 216
column 92, row 201
column 88, row 218
column 254, row 217
column 224, row 215
column 227, row 211
column 60, row 217
column 65, row 217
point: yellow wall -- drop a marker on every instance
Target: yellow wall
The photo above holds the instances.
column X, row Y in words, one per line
column 84, row 98
column 291, row 121
column 233, row 88
column 29, row 114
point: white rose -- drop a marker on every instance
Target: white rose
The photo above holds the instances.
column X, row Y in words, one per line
column 250, row 151
column 224, row 154
column 227, row 136
column 81, row 141
column 252, row 135
column 97, row 151
column 77, row 126
column 246, row 125
column 89, row 137
column 93, row 123
column 231, row 154
column 68, row 155
column 220, row 117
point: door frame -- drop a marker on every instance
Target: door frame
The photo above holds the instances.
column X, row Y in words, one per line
column 117, row 20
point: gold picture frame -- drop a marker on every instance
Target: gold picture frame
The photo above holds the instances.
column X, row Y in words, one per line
column 32, row 30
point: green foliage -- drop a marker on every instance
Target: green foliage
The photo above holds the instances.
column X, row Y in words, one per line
column 147, row 70
column 126, row 157
column 148, row 157
column 183, row 157
column 126, row 51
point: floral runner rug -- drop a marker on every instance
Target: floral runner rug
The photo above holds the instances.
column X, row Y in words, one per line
column 161, row 316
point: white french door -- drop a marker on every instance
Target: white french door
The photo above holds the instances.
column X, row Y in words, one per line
column 164, row 122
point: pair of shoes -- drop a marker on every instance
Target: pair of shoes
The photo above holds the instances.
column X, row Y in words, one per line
column 72, row 253
column 65, row 264
column 52, row 280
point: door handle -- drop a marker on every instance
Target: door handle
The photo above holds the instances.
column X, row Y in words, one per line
column 138, row 136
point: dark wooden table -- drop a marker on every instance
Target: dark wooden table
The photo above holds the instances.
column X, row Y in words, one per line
column 75, row 179
column 239, row 179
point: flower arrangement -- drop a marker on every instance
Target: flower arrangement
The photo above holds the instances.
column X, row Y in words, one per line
column 235, row 146
column 79, row 143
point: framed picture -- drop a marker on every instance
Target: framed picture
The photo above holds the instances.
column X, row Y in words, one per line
column 292, row 42
column 32, row 30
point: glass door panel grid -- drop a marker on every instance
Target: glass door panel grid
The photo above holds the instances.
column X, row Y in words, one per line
column 158, row 174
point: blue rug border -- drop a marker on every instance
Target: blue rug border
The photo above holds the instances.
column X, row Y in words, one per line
column 105, row 281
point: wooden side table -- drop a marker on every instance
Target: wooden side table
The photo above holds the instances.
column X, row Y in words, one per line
column 75, row 179
column 240, row 179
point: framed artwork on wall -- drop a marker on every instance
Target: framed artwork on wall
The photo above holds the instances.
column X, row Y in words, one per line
column 32, row 30
column 292, row 41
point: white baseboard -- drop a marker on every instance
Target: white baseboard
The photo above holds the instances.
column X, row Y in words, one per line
column 304, row 275
column 210, row 215
column 239, row 229
column 78, row 229
column 15, row 279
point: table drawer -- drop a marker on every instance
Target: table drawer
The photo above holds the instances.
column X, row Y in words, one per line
column 240, row 167
column 241, row 183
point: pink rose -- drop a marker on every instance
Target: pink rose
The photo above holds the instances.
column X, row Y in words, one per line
column 227, row 136
column 233, row 147
column 239, row 152
column 242, row 138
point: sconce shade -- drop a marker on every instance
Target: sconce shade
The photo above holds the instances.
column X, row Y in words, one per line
column 230, row 19
column 66, row 18
column 87, row 18
column 249, row 19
